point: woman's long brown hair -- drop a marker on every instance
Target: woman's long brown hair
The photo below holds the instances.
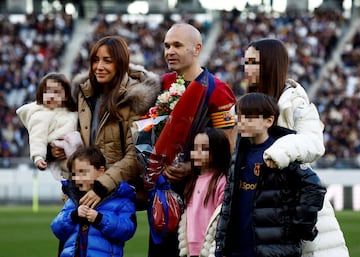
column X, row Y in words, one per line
column 119, row 52
column 274, row 65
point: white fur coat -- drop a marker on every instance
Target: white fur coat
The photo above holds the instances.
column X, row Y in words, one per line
column 45, row 125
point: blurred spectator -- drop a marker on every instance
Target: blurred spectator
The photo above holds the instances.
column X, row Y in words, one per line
column 30, row 49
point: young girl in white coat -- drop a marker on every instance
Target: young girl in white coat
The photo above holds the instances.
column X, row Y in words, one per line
column 51, row 119
column 204, row 192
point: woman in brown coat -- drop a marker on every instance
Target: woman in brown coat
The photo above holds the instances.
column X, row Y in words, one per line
column 110, row 97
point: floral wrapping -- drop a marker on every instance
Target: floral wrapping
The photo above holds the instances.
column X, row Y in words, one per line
column 152, row 123
column 147, row 130
column 178, row 114
column 183, row 113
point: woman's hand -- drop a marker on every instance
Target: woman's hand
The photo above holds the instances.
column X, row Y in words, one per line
column 58, row 153
column 90, row 199
column 175, row 173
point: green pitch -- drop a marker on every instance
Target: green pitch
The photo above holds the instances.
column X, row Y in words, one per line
column 24, row 233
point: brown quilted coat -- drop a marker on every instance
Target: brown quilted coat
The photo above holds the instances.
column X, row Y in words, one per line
column 140, row 89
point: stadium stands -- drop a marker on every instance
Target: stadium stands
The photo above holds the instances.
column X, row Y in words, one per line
column 30, row 49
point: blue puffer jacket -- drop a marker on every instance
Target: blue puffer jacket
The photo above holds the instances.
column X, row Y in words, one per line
column 107, row 237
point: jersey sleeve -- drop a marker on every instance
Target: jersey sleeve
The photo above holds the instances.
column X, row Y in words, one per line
column 221, row 105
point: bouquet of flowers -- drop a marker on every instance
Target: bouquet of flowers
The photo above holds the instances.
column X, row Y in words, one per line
column 166, row 102
column 157, row 115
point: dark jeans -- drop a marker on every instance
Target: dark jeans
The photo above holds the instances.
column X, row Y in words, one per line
column 168, row 248
column 60, row 247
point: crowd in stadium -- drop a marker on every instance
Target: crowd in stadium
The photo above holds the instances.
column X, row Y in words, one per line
column 30, row 49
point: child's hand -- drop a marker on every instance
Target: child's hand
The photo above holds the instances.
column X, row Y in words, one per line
column 88, row 213
column 82, row 211
column 41, row 164
column 271, row 164
column 91, row 215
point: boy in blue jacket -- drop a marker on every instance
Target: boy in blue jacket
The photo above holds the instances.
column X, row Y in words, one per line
column 99, row 232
